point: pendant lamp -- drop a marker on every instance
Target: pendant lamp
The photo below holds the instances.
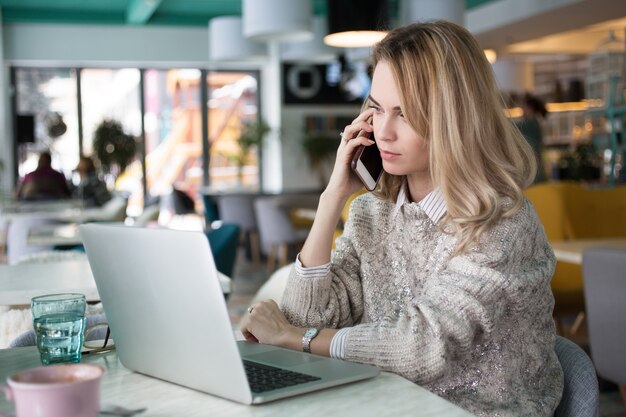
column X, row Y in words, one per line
column 356, row 23
column 314, row 50
column 226, row 41
column 277, row 20
column 513, row 75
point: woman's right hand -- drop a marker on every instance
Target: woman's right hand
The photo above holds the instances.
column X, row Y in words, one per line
column 343, row 182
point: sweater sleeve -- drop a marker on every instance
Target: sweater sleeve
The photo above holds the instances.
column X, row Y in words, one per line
column 508, row 273
column 335, row 299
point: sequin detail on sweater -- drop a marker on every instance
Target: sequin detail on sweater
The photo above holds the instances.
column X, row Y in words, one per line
column 476, row 329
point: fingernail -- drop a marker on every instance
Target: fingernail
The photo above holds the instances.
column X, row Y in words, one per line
column 370, row 141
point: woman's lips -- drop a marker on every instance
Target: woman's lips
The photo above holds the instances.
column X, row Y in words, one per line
column 388, row 156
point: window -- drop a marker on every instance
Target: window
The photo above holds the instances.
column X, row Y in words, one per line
column 47, row 103
column 233, row 103
column 46, row 118
column 114, row 94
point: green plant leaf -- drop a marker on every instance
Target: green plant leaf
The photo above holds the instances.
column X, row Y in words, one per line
column 319, row 146
column 112, row 146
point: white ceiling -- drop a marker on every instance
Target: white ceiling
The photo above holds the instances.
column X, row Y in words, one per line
column 547, row 26
column 580, row 41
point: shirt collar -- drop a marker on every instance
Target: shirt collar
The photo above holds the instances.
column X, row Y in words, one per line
column 434, row 205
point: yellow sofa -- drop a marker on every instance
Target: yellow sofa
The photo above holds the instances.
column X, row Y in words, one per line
column 569, row 210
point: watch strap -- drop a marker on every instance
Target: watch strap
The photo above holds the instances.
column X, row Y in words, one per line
column 309, row 335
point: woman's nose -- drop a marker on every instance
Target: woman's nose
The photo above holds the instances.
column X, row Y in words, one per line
column 384, row 131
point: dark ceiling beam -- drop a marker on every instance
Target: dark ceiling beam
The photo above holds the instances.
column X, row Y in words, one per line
column 139, row 12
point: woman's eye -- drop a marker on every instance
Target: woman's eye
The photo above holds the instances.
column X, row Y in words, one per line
column 376, row 108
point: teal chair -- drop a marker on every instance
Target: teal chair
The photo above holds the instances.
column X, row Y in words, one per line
column 211, row 213
column 224, row 241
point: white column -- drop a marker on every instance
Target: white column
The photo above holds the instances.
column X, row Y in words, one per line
column 6, row 142
column 412, row 11
column 271, row 102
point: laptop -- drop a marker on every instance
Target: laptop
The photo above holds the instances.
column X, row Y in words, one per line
column 167, row 313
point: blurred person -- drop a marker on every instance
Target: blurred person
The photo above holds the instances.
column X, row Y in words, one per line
column 534, row 112
column 44, row 183
column 91, row 188
column 442, row 274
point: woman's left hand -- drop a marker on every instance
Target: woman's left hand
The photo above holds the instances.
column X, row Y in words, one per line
column 266, row 324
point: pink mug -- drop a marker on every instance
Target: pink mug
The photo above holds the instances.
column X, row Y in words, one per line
column 71, row 390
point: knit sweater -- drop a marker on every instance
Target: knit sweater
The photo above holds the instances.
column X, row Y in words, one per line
column 474, row 328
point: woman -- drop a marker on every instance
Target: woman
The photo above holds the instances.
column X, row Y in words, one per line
column 44, row 183
column 443, row 274
column 91, row 189
column 534, row 111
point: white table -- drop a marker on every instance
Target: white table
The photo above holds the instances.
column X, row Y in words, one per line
column 58, row 210
column 64, row 210
column 385, row 395
column 54, row 235
column 571, row 251
column 20, row 283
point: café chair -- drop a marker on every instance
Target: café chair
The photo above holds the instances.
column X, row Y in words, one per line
column 113, row 210
column 581, row 395
column 211, row 213
column 276, row 230
column 17, row 238
column 239, row 209
column 605, row 286
column 224, row 242
column 149, row 214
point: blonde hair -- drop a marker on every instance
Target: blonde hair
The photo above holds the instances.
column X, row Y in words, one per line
column 449, row 97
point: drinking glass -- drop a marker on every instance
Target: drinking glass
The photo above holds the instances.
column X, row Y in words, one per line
column 59, row 322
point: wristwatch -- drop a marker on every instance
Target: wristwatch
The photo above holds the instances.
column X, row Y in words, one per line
column 306, row 339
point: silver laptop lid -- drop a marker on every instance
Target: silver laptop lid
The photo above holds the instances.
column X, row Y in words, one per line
column 143, row 277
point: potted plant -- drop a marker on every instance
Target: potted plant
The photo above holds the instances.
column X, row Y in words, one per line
column 251, row 136
column 114, row 148
column 320, row 147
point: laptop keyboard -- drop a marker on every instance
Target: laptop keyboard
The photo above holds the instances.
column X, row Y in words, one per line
column 264, row 378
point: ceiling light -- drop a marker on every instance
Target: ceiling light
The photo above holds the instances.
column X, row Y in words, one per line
column 314, row 50
column 277, row 20
column 514, row 76
column 354, row 38
column 226, row 41
column 356, row 23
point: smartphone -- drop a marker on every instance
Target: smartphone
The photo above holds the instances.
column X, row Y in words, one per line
column 367, row 163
